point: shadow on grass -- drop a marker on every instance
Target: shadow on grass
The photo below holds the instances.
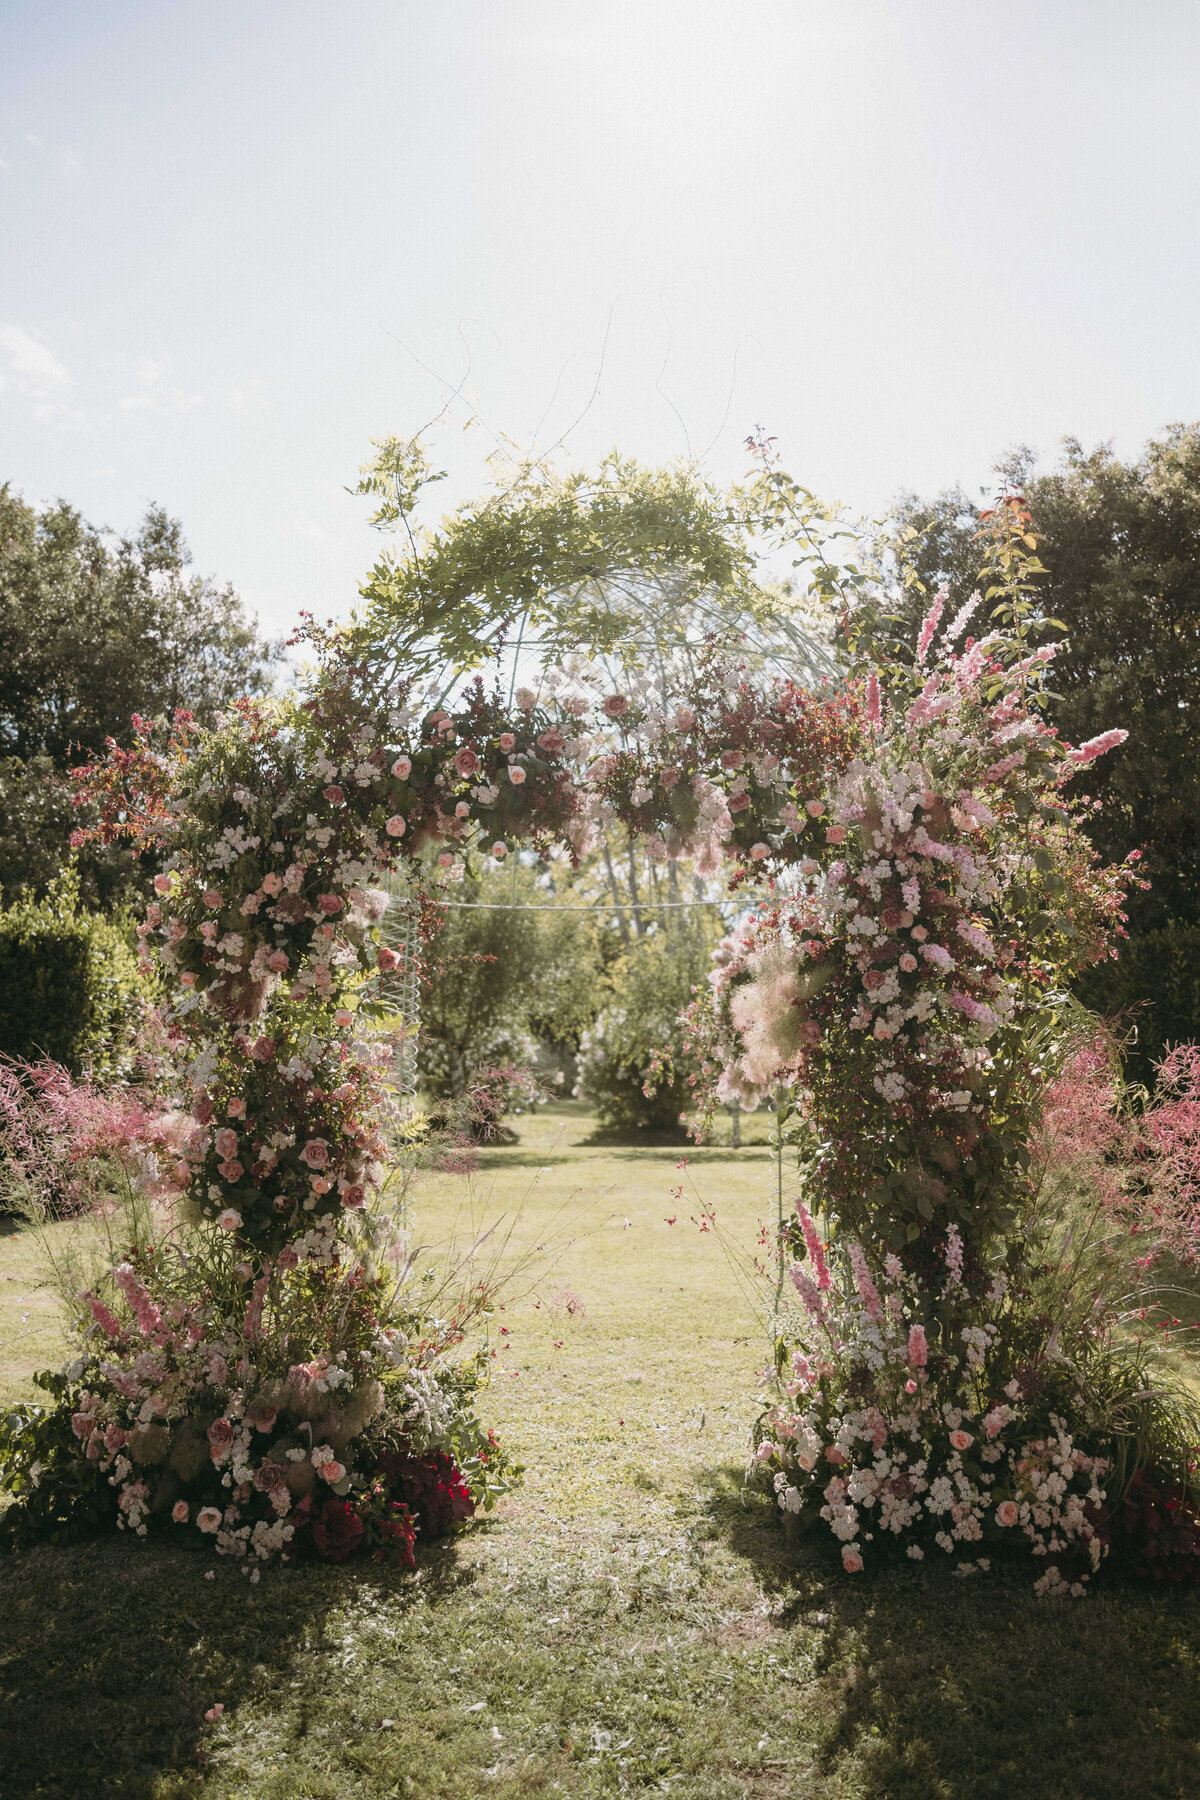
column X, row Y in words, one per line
column 940, row 1688
column 112, row 1651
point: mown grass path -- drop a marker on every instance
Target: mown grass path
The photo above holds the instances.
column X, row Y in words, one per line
column 630, row 1621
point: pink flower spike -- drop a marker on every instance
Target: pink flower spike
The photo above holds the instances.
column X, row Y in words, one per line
column 918, row 1347
column 1108, row 740
column 930, row 625
column 814, row 1246
column 873, row 709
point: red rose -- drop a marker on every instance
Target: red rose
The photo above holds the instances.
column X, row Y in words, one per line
column 337, row 1530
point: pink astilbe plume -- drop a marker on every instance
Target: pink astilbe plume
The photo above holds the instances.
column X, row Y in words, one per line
column 918, row 1347
column 873, row 706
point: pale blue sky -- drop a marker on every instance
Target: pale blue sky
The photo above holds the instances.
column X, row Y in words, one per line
column 900, row 234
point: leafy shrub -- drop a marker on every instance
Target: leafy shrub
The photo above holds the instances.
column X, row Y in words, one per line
column 1158, row 977
column 636, row 1041
column 70, row 990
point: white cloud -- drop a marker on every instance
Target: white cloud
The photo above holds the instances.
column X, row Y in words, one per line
column 246, row 396
column 32, row 365
column 155, row 394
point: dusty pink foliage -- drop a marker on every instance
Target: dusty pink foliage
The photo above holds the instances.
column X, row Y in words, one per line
column 57, row 1134
column 1143, row 1167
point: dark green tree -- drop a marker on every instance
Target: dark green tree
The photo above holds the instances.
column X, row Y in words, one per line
column 95, row 628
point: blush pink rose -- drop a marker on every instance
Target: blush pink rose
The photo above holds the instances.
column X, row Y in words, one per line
column 402, row 768
column 1006, row 1513
column 852, row 1562
column 331, row 1471
column 230, row 1219
column 220, row 1437
column 334, row 795
column 615, row 705
column 162, row 884
column 354, row 1196
column 465, row 761
column 212, row 899
column 834, row 834
column 499, row 850
column 209, row 1519
column 516, row 775
column 263, row 1049
column 179, row 1512
column 316, row 1153
column 962, row 1440
column 225, row 1143
column 329, row 904
column 507, row 741
column 396, row 826
column 277, row 961
column 388, row 961
column 272, row 884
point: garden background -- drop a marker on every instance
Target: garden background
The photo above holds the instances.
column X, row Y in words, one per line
column 631, row 1617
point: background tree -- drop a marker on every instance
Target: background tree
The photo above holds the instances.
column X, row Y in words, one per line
column 515, row 977
column 93, row 628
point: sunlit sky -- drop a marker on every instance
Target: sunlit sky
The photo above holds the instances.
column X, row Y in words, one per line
column 238, row 239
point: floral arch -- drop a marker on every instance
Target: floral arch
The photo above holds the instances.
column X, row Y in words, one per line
column 919, row 893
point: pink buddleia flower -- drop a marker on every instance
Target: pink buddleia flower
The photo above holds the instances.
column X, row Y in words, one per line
column 1108, row 740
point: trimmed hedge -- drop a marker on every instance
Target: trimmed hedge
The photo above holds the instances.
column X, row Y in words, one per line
column 1157, row 982
column 70, row 989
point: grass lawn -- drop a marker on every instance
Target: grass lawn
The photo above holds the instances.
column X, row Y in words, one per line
column 630, row 1621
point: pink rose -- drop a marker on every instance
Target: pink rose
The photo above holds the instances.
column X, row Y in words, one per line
column 1006, row 1513
column 230, row 1219
column 852, row 1562
column 272, row 884
column 277, row 961
column 334, row 795
column 402, row 768
column 187, row 979
column 236, row 1110
column 908, row 962
column 814, row 808
column 872, row 979
column 203, row 1110
column 179, row 1512
column 329, row 904
column 319, row 1184
column 552, row 741
column 231, row 1170
column 465, row 761
column 919, row 933
column 212, row 899
column 615, row 705
column 759, row 851
column 220, row 1437
column 316, row 1153
column 834, row 834
column 388, row 961
column 225, row 1143
column 507, row 741
column 331, row 1471
column 445, row 859
column 354, row 1196
column 343, row 1018
column 962, row 1440
column 396, row 826
column 260, row 1415
column 162, row 884
column 516, row 775
column 499, row 850
column 263, row 1049
column 209, row 1519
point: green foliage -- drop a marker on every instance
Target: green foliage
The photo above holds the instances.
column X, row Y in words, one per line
column 644, row 992
column 505, row 976
column 570, row 558
column 93, row 629
column 1154, row 989
column 70, row 988
column 55, row 1493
